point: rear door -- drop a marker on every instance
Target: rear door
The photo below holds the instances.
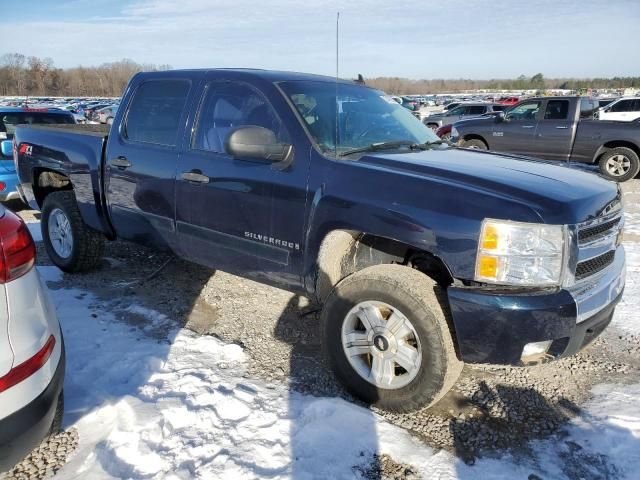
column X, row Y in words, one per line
column 141, row 161
column 555, row 131
column 516, row 134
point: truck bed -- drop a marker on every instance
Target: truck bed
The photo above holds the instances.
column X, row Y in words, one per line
column 74, row 151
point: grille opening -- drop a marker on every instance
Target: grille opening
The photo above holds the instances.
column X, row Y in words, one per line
column 592, row 233
column 594, row 265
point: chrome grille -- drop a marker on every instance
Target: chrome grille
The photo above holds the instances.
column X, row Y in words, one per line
column 591, row 234
column 594, row 265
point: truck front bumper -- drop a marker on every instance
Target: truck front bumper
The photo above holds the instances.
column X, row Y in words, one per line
column 494, row 326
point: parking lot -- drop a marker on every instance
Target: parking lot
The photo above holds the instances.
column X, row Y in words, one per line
column 164, row 355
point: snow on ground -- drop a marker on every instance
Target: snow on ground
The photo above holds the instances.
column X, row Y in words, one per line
column 627, row 315
column 184, row 408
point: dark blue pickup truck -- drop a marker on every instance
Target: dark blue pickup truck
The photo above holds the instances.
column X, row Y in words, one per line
column 423, row 256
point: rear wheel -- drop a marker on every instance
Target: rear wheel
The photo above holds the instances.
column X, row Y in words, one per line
column 619, row 164
column 71, row 245
column 475, row 144
column 387, row 338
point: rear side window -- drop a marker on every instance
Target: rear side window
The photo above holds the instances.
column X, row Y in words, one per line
column 155, row 111
column 476, row 110
column 557, row 110
column 622, row 106
column 9, row 121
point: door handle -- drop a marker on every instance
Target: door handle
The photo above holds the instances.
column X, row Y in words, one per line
column 561, row 128
column 121, row 162
column 528, row 126
column 195, row 176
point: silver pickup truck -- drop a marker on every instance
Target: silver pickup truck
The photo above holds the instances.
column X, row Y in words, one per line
column 557, row 128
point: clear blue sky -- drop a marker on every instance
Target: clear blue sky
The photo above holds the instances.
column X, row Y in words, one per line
column 416, row 39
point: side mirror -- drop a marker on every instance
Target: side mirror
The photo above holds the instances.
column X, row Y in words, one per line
column 500, row 117
column 258, row 143
column 7, row 148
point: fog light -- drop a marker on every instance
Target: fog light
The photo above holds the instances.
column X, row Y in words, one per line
column 535, row 348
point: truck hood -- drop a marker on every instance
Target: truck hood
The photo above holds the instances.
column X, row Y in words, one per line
column 557, row 193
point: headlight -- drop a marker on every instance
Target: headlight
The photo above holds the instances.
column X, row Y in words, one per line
column 454, row 132
column 514, row 253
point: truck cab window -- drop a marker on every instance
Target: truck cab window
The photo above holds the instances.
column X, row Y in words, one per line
column 525, row 111
column 229, row 105
column 155, row 111
column 557, row 110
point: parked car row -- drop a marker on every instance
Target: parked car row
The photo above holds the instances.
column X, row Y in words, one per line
column 557, row 128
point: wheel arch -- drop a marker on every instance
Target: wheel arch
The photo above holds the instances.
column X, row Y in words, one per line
column 615, row 144
column 345, row 251
column 46, row 181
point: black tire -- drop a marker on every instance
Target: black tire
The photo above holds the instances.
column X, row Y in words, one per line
column 424, row 304
column 627, row 156
column 56, row 425
column 88, row 245
column 475, row 144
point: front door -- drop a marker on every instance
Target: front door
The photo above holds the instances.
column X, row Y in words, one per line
column 516, row 133
column 142, row 159
column 555, row 131
column 236, row 214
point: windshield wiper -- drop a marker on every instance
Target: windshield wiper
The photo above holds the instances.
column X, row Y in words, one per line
column 375, row 147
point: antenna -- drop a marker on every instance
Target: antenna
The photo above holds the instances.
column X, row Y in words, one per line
column 337, row 76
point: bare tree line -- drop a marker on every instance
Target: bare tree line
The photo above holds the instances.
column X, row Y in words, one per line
column 398, row 86
column 22, row 75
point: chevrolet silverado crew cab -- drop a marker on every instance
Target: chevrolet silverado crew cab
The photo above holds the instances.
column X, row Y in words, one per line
column 423, row 256
column 558, row 128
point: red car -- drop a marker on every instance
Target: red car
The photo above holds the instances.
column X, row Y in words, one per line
column 508, row 100
column 444, row 132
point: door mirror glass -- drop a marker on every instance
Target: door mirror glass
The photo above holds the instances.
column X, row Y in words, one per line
column 257, row 143
column 7, row 148
column 500, row 117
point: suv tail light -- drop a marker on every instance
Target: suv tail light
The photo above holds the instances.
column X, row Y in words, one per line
column 17, row 250
column 28, row 368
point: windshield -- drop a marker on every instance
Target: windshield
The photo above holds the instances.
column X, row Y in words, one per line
column 9, row 121
column 365, row 116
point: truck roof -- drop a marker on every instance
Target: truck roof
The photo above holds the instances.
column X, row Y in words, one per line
column 269, row 75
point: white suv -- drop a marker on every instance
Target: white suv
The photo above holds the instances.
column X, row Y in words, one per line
column 31, row 348
column 624, row 109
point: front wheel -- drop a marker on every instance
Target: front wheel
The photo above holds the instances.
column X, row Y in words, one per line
column 387, row 338
column 619, row 164
column 71, row 245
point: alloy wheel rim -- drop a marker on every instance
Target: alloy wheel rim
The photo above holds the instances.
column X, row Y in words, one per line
column 618, row 165
column 381, row 345
column 60, row 233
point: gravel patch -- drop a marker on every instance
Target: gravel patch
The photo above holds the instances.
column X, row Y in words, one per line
column 47, row 459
